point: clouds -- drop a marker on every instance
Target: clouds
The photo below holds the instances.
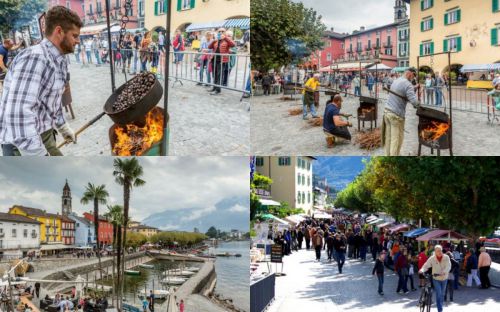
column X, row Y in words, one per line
column 346, row 16
column 172, row 183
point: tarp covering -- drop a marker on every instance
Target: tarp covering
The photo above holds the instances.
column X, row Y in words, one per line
column 443, row 235
column 269, row 202
column 384, row 224
column 322, row 215
column 468, row 68
column 205, row 26
column 243, row 23
column 354, row 66
column 399, row 227
column 378, row 67
column 399, row 69
column 94, row 29
column 416, row 232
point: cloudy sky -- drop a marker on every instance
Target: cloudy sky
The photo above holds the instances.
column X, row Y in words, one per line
column 346, row 16
column 172, row 183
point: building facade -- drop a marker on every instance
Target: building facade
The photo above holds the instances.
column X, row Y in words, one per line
column 74, row 5
column 186, row 12
column 105, row 228
column 292, row 179
column 50, row 228
column 84, row 231
column 332, row 50
column 67, row 231
column 467, row 28
column 404, row 44
column 95, row 14
column 146, row 230
column 18, row 235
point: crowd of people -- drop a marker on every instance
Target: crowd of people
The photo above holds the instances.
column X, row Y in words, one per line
column 345, row 236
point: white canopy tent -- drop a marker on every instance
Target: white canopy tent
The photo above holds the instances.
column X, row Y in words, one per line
column 380, row 66
column 269, row 202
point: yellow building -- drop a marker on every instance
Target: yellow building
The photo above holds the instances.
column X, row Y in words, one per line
column 292, row 179
column 144, row 229
column 187, row 12
column 50, row 229
column 468, row 28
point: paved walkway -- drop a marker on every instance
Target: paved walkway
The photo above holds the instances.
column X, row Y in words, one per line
column 317, row 286
column 200, row 124
column 275, row 132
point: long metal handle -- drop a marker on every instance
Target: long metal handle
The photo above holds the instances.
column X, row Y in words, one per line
column 84, row 127
column 396, row 94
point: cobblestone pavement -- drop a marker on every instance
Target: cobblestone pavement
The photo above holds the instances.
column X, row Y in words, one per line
column 316, row 286
column 275, row 132
column 200, row 124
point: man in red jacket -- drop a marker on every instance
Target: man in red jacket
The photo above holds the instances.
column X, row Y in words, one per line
column 220, row 46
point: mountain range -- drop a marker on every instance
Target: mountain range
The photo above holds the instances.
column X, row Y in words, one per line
column 339, row 171
column 229, row 213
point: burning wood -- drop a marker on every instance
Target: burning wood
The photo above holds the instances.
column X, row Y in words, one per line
column 369, row 139
column 132, row 140
column 434, row 131
column 134, row 90
column 295, row 111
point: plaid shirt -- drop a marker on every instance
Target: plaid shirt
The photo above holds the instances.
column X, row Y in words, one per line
column 31, row 100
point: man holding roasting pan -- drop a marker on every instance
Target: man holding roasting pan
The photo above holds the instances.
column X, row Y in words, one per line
column 393, row 124
column 31, row 106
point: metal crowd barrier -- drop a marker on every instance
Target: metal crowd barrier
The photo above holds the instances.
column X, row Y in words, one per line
column 226, row 71
column 262, row 293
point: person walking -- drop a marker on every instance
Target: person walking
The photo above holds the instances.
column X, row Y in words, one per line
column 412, row 264
column 88, row 50
column 318, row 243
column 357, row 85
column 205, row 57
column 451, row 277
column 484, row 264
column 178, row 45
column 393, row 123
column 438, row 89
column 379, row 269
column 137, row 45
column 440, row 265
column 471, row 269
column 37, row 289
column 340, row 248
column 401, row 268
column 307, row 236
column 300, row 237
column 370, row 81
column 429, row 90
column 95, row 45
column 329, row 244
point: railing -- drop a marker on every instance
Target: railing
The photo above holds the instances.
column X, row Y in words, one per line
column 262, row 293
column 388, row 45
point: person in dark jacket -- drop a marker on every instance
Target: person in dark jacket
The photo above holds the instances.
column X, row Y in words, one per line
column 329, row 243
column 318, row 243
column 307, row 236
column 340, row 247
column 471, row 268
column 401, row 267
column 266, row 84
column 451, row 277
column 374, row 248
column 300, row 237
column 379, row 269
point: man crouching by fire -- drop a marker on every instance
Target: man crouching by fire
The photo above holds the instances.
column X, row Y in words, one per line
column 31, row 108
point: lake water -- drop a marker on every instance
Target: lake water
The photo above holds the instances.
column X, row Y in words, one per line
column 233, row 274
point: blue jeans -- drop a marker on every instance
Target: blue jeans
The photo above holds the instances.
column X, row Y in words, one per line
column 357, row 91
column 89, row 58
column 380, row 283
column 304, row 108
column 248, row 87
column 363, row 253
column 96, row 54
column 203, row 69
column 455, row 282
column 439, row 96
column 340, row 259
column 439, row 289
column 77, row 57
column 402, row 282
column 135, row 60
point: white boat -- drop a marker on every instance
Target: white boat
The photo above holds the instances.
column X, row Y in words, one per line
column 158, row 293
column 173, row 280
column 146, row 266
column 177, row 272
column 192, row 269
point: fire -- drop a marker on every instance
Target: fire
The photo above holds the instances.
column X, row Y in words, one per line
column 435, row 130
column 132, row 140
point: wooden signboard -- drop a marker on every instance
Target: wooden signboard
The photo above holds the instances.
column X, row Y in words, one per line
column 276, row 254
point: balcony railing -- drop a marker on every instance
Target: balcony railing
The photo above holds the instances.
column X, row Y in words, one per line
column 359, row 50
column 388, row 45
column 368, row 47
column 404, row 37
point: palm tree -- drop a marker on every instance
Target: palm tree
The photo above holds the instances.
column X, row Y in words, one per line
column 115, row 216
column 128, row 173
column 98, row 195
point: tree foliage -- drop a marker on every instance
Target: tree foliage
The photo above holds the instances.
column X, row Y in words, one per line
column 182, row 238
column 259, row 182
column 459, row 193
column 135, row 239
column 17, row 13
column 282, row 32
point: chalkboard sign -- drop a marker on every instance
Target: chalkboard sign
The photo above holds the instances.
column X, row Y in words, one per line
column 276, row 255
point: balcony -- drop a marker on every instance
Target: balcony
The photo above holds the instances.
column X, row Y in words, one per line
column 368, row 47
column 388, row 45
column 359, row 50
column 404, row 37
column 90, row 13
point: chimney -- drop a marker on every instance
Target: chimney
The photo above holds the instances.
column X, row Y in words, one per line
column 362, row 28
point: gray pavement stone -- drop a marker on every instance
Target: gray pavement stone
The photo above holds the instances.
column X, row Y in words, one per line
column 200, row 124
column 275, row 132
column 316, row 286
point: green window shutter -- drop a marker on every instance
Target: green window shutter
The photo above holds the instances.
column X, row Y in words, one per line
column 432, row 48
column 165, row 6
column 421, row 49
column 156, row 7
column 179, row 5
column 192, row 4
column 495, row 5
column 432, row 23
column 432, row 3
column 421, row 5
column 446, row 18
column 445, row 45
column 494, row 37
column 459, row 15
column 459, row 44
column 422, row 26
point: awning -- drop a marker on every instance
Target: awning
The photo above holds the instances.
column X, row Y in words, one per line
column 354, row 66
column 326, row 69
column 375, row 221
column 371, row 218
column 243, row 23
column 322, row 215
column 442, row 235
column 205, row 26
column 416, row 232
column 95, row 29
column 384, row 224
column 269, row 202
column 295, row 219
column 399, row 69
column 378, row 67
column 399, row 227
column 468, row 68
column 55, row 247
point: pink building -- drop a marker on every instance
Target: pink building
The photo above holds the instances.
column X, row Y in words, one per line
column 74, row 5
column 332, row 50
column 372, row 44
column 95, row 12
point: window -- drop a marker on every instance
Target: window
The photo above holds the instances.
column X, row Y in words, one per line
column 496, row 5
column 309, row 197
column 14, row 233
column 427, row 24
column 298, row 178
column 303, row 197
column 452, row 44
column 25, row 233
column 329, row 57
column 185, row 5
column 426, row 4
column 259, row 161
column 91, row 11
column 160, row 7
column 309, row 165
column 33, row 233
column 284, row 161
column 68, row 4
column 308, row 181
column 298, row 197
column 426, row 48
column 378, row 43
column 141, row 8
column 452, row 17
column 494, row 36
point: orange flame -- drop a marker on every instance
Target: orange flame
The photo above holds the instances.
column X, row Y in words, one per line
column 434, row 131
column 132, row 140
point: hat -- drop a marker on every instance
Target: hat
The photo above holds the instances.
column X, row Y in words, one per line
column 413, row 70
